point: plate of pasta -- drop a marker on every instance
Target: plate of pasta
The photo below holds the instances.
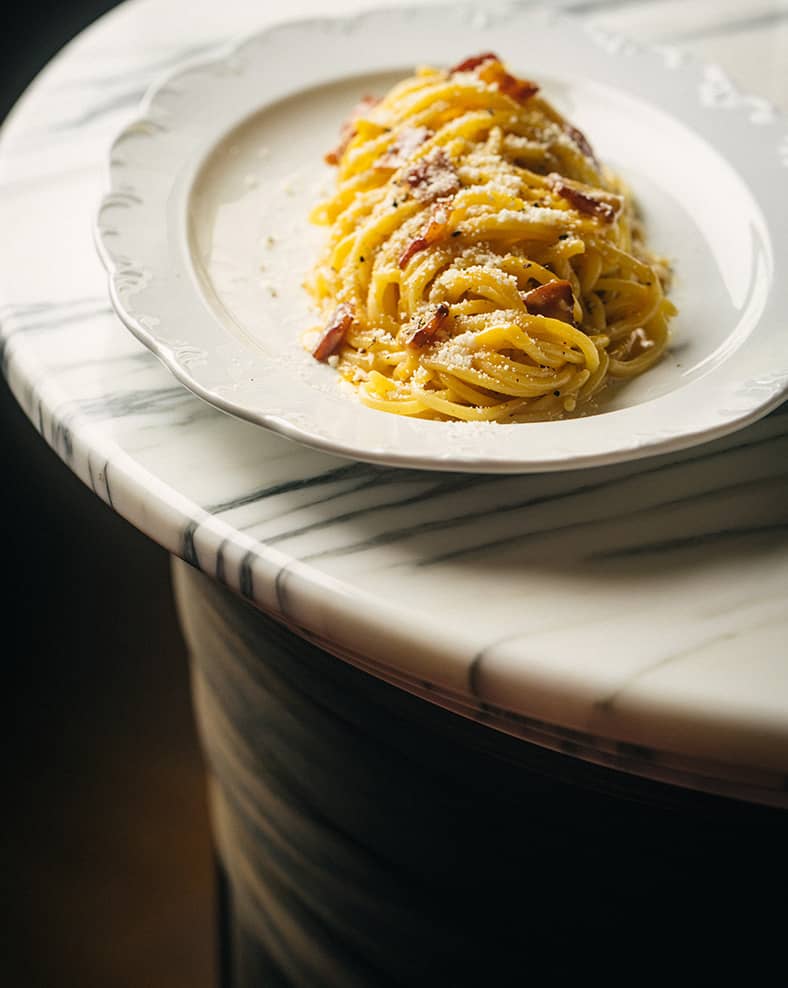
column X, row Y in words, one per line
column 498, row 243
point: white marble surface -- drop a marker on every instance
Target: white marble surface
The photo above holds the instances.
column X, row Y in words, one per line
column 634, row 615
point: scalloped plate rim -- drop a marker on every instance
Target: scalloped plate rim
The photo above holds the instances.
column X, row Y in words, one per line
column 652, row 445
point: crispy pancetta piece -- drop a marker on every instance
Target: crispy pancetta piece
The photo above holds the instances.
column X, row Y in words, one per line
column 427, row 332
column 469, row 64
column 604, row 205
column 581, row 141
column 491, row 71
column 519, row 90
column 334, row 334
column 435, row 230
column 553, row 299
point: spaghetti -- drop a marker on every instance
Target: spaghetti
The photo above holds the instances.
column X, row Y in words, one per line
column 481, row 263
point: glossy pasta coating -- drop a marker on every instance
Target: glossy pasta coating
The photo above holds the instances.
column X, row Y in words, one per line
column 481, row 264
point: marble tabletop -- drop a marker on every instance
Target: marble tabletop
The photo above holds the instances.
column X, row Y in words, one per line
column 632, row 615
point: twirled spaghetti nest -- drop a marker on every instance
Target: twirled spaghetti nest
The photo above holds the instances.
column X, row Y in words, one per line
column 481, row 263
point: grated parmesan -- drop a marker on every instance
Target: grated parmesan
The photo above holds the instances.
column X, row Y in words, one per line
column 457, row 351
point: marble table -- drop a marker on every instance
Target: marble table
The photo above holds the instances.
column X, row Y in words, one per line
column 632, row 617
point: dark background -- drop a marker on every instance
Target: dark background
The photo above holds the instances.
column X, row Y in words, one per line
column 105, row 855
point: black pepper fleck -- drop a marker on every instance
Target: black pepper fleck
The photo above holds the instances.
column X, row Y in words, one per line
column 456, row 233
column 557, row 394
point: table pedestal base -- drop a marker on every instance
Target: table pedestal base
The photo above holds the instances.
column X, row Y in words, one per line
column 368, row 838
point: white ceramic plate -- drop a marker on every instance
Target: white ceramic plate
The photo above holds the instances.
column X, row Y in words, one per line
column 206, row 238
